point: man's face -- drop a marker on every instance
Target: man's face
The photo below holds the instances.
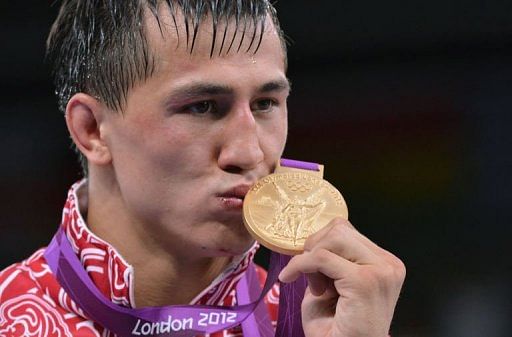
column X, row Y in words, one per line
column 196, row 135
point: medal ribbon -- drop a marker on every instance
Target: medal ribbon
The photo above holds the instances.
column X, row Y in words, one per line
column 289, row 322
column 184, row 320
column 174, row 320
column 303, row 165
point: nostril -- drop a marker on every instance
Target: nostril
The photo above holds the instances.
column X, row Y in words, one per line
column 233, row 169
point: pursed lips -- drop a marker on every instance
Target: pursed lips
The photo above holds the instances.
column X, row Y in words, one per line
column 234, row 197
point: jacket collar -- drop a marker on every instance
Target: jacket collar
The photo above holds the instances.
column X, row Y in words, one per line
column 114, row 277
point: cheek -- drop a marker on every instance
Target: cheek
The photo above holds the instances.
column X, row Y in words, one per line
column 146, row 154
column 184, row 150
column 165, row 143
column 276, row 136
column 154, row 174
column 284, row 131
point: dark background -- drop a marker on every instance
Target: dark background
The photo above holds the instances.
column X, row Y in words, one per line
column 406, row 103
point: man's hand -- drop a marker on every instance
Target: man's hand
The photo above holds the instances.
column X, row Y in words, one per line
column 353, row 284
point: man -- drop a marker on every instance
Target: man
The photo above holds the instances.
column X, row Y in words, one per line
column 177, row 108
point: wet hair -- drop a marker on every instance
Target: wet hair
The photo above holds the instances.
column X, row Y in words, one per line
column 99, row 47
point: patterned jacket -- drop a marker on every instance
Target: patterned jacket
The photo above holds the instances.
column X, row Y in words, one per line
column 32, row 303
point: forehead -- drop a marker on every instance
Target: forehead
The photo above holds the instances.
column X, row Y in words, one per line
column 174, row 35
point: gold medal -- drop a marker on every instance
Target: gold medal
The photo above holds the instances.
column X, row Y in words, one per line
column 282, row 209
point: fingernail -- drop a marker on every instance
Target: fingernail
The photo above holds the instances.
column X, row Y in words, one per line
column 280, row 277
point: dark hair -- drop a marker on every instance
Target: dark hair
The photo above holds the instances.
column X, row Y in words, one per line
column 99, row 47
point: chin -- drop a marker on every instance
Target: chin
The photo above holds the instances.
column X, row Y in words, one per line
column 223, row 238
column 234, row 247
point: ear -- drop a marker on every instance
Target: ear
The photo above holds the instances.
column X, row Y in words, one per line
column 84, row 118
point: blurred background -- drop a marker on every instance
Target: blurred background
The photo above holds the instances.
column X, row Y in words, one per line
column 407, row 103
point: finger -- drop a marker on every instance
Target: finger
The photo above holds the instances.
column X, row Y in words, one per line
column 314, row 238
column 376, row 249
column 319, row 261
column 317, row 283
column 341, row 238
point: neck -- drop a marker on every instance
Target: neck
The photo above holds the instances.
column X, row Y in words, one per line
column 162, row 276
column 169, row 281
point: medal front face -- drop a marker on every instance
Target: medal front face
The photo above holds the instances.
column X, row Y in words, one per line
column 281, row 210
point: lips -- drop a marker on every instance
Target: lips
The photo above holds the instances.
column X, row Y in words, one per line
column 234, row 197
column 237, row 192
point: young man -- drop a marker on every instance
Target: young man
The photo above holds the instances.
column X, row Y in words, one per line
column 177, row 108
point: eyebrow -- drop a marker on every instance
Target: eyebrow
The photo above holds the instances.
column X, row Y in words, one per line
column 211, row 89
column 278, row 85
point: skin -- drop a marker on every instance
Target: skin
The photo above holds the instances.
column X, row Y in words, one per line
column 196, row 129
column 159, row 172
column 353, row 283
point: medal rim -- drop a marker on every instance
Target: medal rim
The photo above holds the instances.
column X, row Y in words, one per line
column 271, row 244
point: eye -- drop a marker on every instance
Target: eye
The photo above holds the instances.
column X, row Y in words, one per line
column 200, row 108
column 264, row 105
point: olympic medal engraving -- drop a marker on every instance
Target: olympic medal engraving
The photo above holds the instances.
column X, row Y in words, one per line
column 282, row 209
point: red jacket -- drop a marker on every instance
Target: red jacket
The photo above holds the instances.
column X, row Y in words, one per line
column 32, row 303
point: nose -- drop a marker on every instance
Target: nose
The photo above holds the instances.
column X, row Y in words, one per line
column 241, row 148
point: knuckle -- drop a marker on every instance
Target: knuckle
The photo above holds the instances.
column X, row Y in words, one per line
column 368, row 277
column 339, row 229
column 335, row 232
column 400, row 269
column 309, row 244
column 393, row 272
column 339, row 221
column 397, row 265
column 387, row 273
column 321, row 256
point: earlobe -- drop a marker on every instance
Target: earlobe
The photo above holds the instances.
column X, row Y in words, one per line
column 84, row 118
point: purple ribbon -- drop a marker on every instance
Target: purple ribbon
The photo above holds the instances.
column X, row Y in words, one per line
column 179, row 320
column 185, row 320
column 303, row 165
column 289, row 322
column 259, row 321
